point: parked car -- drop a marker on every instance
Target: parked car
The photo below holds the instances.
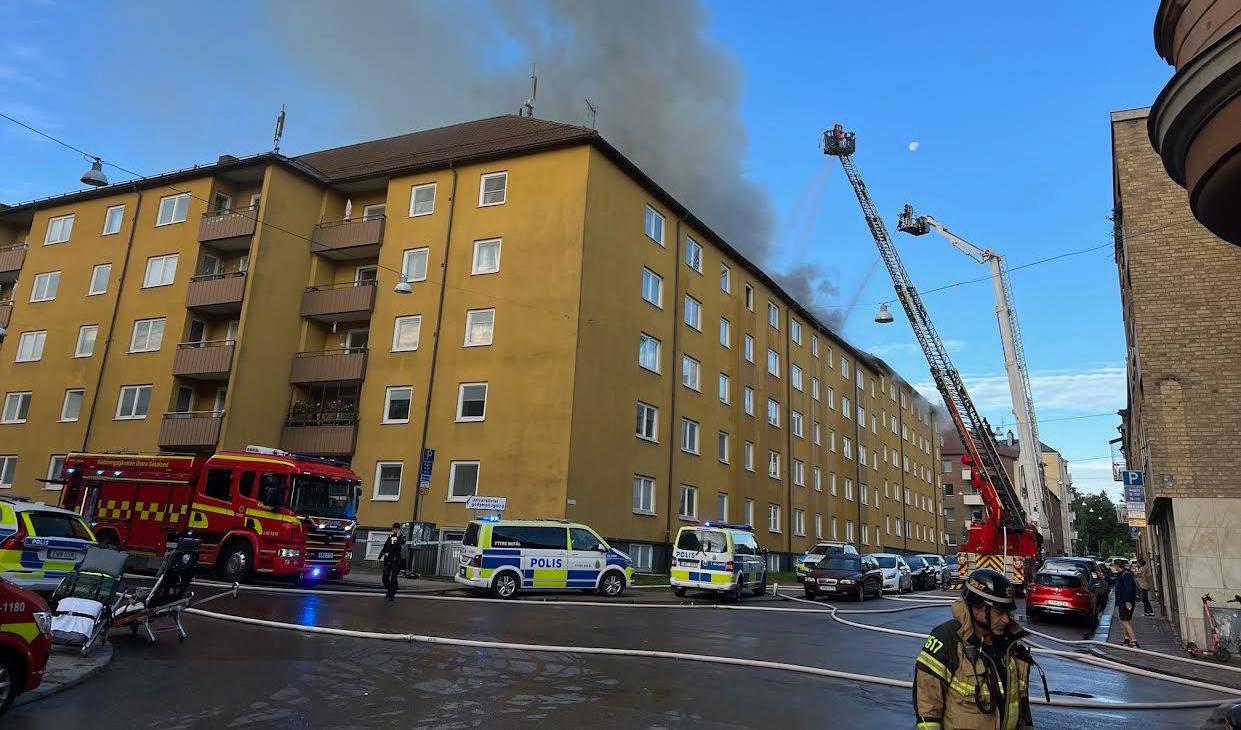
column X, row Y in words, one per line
column 923, row 575
column 39, row 543
column 854, row 576
column 896, row 575
column 1062, row 592
column 1092, row 571
column 1112, row 560
column 938, row 564
column 811, row 558
column 25, row 641
column 951, row 571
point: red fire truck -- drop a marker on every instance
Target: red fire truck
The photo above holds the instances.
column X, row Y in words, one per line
column 258, row 511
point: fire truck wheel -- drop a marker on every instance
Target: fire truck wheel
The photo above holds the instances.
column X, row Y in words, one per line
column 236, row 563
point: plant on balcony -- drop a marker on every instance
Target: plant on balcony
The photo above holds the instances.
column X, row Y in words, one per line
column 332, row 412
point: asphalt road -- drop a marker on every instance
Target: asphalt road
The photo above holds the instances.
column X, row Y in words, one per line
column 231, row 675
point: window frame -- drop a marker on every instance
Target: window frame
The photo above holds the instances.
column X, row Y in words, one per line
column 474, row 270
column 697, row 308
column 51, row 224
column 749, row 296
column 748, row 346
column 452, row 479
column 643, row 495
column 659, row 288
column 644, row 407
column 773, row 463
column 696, row 430
column 643, row 337
column 8, row 466
column 773, row 315
column 413, row 196
column 461, row 401
column 53, row 287
column 162, row 260
column 39, row 337
column 726, row 279
column 726, row 334
column 654, row 215
column 174, row 199
column 386, row 417
column 774, row 517
column 482, row 188
column 748, row 400
column 120, row 401
column 400, row 481
column 469, row 314
column 16, row 396
column 694, row 367
column 723, row 447
column 396, row 329
column 94, row 274
column 64, row 403
column 149, row 322
column 692, row 491
column 747, row 455
column 77, row 347
column 692, row 245
column 410, row 253
column 773, row 362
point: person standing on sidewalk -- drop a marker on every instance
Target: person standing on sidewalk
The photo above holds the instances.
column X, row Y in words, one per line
column 1142, row 576
column 390, row 556
column 1126, row 599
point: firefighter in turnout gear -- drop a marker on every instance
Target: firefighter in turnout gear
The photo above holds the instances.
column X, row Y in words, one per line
column 974, row 670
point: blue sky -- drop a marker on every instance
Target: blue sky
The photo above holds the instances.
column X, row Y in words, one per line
column 1008, row 105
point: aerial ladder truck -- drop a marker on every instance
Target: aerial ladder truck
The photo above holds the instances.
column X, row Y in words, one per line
column 1003, row 539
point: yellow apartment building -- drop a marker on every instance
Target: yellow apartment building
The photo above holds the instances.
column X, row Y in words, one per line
column 572, row 338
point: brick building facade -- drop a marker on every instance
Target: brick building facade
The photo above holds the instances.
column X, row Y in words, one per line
column 962, row 502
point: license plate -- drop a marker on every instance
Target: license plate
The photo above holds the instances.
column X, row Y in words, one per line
column 325, row 556
column 463, row 571
column 1063, row 604
column 62, row 554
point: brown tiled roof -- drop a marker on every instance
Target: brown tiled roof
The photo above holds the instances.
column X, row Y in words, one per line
column 494, row 137
column 953, row 446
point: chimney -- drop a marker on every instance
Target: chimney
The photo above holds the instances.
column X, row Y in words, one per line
column 1010, row 438
column 225, row 158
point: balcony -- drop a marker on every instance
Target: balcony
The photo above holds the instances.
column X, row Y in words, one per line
column 348, row 239
column 6, row 310
column 228, row 230
column 190, row 431
column 216, row 293
column 11, row 260
column 209, row 360
column 328, row 429
column 972, row 500
column 339, row 302
column 329, row 366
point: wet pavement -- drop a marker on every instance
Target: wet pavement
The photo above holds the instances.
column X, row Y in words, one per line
column 232, row 675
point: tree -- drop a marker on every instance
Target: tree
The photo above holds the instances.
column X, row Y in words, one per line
column 1099, row 532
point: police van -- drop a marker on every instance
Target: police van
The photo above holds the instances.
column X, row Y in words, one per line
column 718, row 557
column 508, row 556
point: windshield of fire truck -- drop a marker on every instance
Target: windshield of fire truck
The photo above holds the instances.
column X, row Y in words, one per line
column 320, row 497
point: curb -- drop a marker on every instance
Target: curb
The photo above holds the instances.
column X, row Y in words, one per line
column 47, row 689
column 1171, row 668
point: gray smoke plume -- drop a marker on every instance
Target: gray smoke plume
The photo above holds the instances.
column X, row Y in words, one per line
column 807, row 283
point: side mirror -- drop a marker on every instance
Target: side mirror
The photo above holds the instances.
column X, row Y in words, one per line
column 601, row 548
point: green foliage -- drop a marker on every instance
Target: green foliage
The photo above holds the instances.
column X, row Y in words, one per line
column 1099, row 532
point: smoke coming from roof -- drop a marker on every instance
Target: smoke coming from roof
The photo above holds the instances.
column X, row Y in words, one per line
column 668, row 96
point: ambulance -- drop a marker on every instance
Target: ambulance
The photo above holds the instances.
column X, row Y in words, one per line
column 505, row 557
column 718, row 557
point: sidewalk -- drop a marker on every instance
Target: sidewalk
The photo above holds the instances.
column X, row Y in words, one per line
column 372, row 579
column 66, row 668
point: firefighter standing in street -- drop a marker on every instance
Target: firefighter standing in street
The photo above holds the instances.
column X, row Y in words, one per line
column 390, row 556
column 974, row 670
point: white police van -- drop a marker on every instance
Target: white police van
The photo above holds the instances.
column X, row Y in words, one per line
column 718, row 557
column 508, row 556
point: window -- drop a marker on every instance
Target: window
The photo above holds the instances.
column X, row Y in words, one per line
column 773, row 518
column 846, row 408
column 724, row 390
column 748, row 400
column 861, row 454
column 773, row 412
column 865, row 534
column 795, row 330
column 861, row 379
column 688, row 507
column 725, row 335
column 654, row 225
column 814, row 345
column 818, row 526
column 799, row 473
column 816, row 433
column 643, row 557
column 749, row 297
column 726, row 278
column 161, row 270
column 374, row 211
column 831, row 439
column 652, row 287
column 693, row 312
column 691, row 372
column 8, row 465
column 831, row 397
column 396, row 404
column 648, row 352
column 945, row 467
column 747, row 512
column 493, row 189
column 747, row 455
column 133, row 402
column 185, row 400
column 86, row 340
column 99, row 279
column 887, row 524
column 58, row 229
column 45, row 286
column 814, row 388
column 462, row 480
column 773, row 362
column 799, row 522
column 422, row 200
column 844, row 367
column 797, row 378
column 833, row 528
column 864, row 493
column 693, row 254
column 861, row 416
column 486, row 257
column 30, row 346
column 471, row 402
column 799, row 424
column 173, row 209
column 71, row 408
column 648, row 422
column 16, row 408
column 406, row 333
column 148, row 335
column 643, row 495
column 849, row 530
column 749, row 348
column 773, row 464
column 388, row 481
column 816, row 478
column 773, row 315
column 721, row 447
column 948, row 490
column 847, row 447
column 848, row 489
column 689, row 436
column 899, row 531
column 721, row 507
column 414, row 264
column 479, row 327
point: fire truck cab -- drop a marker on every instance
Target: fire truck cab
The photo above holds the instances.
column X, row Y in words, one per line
column 259, row 511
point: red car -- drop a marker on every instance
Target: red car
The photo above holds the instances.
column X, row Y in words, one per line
column 25, row 640
column 1063, row 593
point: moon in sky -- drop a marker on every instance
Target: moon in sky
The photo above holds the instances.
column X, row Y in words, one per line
column 913, row 146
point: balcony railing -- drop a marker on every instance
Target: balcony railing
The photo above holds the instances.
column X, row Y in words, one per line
column 6, row 311
column 217, row 293
column 228, row 229
column 190, row 430
column 11, row 260
column 207, row 360
column 348, row 239
column 339, row 302
column 329, row 366
column 327, row 429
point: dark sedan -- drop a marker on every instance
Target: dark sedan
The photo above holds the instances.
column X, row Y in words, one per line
column 925, row 576
column 853, row 576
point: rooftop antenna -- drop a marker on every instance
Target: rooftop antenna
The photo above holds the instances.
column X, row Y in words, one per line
column 534, row 90
column 594, row 113
column 275, row 139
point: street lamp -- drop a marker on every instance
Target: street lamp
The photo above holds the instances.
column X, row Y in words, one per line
column 402, row 286
column 884, row 316
column 94, row 176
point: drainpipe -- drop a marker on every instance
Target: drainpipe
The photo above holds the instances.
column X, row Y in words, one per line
column 673, row 435
column 857, row 447
column 900, row 417
column 788, row 399
column 116, row 306
column 435, row 348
